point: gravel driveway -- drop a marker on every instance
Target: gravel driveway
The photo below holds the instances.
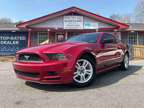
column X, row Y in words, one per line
column 111, row 90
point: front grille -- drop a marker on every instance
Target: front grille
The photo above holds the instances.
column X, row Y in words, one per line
column 28, row 74
column 29, row 58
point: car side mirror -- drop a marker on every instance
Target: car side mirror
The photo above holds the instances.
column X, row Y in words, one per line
column 105, row 41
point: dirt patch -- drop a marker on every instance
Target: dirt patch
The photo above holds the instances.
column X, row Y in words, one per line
column 7, row 58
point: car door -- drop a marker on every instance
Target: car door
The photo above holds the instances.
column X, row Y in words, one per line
column 108, row 53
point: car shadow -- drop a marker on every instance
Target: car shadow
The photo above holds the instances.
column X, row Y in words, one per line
column 102, row 80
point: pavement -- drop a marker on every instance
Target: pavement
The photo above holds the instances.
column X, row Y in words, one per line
column 116, row 89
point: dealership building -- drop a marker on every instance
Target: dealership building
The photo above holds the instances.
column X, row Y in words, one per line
column 61, row 25
column 57, row 27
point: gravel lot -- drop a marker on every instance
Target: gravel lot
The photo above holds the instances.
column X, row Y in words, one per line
column 111, row 90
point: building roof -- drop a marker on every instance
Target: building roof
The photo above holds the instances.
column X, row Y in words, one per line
column 136, row 27
column 8, row 27
column 118, row 25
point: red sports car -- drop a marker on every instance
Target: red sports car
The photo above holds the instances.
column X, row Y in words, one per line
column 76, row 61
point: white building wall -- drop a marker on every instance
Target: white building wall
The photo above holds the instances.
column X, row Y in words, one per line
column 58, row 23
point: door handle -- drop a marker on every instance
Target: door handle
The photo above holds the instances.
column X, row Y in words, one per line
column 119, row 47
column 98, row 51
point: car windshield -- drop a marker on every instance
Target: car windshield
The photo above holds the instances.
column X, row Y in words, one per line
column 89, row 38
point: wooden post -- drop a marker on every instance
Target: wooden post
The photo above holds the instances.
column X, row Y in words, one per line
column 48, row 33
column 120, row 36
column 66, row 35
column 137, row 38
column 29, row 37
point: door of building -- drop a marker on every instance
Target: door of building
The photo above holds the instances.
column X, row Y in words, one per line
column 59, row 37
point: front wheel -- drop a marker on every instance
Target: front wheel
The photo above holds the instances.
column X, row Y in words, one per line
column 125, row 62
column 84, row 72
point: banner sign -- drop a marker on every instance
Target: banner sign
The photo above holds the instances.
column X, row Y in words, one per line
column 73, row 22
column 10, row 42
column 90, row 25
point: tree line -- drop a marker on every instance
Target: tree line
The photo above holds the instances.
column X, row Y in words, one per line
column 137, row 16
column 8, row 21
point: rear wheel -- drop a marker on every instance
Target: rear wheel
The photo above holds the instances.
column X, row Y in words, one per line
column 125, row 62
column 84, row 72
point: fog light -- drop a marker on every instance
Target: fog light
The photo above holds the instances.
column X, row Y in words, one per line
column 52, row 73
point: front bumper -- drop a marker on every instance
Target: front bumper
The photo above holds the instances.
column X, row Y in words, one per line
column 40, row 72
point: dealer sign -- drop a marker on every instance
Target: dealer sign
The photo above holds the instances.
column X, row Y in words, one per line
column 10, row 42
column 73, row 22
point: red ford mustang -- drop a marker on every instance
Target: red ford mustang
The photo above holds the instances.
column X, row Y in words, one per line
column 76, row 61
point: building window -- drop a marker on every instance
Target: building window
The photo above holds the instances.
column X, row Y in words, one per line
column 39, row 38
column 43, row 38
column 133, row 38
column 141, row 38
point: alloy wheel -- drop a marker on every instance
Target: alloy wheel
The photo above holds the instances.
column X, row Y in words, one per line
column 84, row 71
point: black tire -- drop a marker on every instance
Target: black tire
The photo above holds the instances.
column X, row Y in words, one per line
column 125, row 66
column 89, row 82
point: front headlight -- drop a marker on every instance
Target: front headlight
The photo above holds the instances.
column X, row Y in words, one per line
column 56, row 56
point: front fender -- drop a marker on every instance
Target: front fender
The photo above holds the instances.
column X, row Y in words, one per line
column 75, row 54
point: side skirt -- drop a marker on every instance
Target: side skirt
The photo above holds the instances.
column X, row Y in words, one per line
column 105, row 69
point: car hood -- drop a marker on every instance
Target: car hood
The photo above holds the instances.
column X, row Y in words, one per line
column 52, row 48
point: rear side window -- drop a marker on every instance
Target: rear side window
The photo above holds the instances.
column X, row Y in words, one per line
column 109, row 37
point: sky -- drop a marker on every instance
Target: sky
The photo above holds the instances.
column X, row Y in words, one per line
column 23, row 10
